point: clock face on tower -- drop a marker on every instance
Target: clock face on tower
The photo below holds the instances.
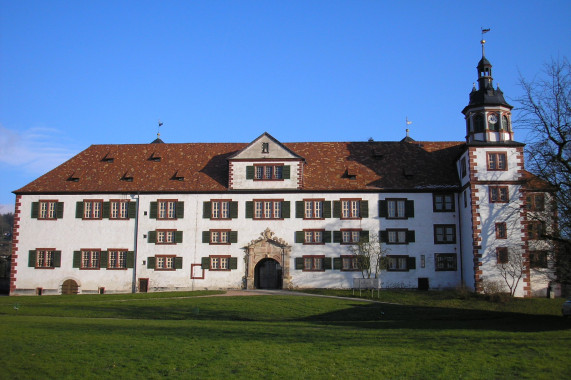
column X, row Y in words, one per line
column 492, row 118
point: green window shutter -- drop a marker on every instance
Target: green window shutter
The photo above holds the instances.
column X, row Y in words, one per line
column 178, row 237
column 327, row 236
column 206, row 210
column 76, row 259
column 337, row 263
column 410, row 237
column 35, row 210
column 249, row 172
column 383, row 210
column 59, row 210
column 249, row 209
column 132, row 210
column 206, row 236
column 152, row 237
column 337, row 237
column 32, row 258
column 285, row 209
column 409, row 209
column 327, row 263
column 151, row 262
column 79, row 210
column 384, row 235
column 178, row 262
column 299, row 209
column 364, row 209
column 383, row 263
column 205, row 263
column 233, row 236
column 103, row 259
column 299, row 263
column 299, row 236
column 327, row 209
column 364, row 236
column 153, row 210
column 410, row 263
column 337, row 209
column 233, row 210
column 233, row 263
column 106, row 210
column 57, row 259
column 286, row 171
column 130, row 259
column 179, row 210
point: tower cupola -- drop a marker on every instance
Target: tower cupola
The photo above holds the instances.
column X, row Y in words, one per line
column 488, row 115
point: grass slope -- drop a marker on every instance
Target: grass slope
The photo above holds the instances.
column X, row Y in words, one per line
column 179, row 335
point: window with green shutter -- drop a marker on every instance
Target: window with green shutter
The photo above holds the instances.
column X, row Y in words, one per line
column 249, row 172
column 104, row 259
column 397, row 236
column 396, row 208
column 76, row 259
column 47, row 209
column 130, row 259
column 79, row 210
column 59, row 210
column 299, row 263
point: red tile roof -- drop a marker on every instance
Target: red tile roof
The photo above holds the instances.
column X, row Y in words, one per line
column 180, row 168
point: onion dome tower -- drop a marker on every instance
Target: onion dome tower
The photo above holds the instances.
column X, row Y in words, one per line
column 488, row 115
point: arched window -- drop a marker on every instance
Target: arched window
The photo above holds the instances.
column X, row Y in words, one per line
column 478, row 123
column 505, row 123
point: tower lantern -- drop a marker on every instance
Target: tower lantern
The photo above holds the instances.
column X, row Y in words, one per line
column 488, row 115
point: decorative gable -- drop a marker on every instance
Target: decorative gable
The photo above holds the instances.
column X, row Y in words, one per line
column 263, row 164
column 265, row 147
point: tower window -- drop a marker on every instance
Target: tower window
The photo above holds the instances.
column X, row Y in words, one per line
column 497, row 161
column 478, row 124
column 505, row 123
column 265, row 147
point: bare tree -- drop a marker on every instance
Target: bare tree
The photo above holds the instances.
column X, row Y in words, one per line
column 545, row 113
column 370, row 256
column 511, row 266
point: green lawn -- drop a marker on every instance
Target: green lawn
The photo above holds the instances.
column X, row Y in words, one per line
column 426, row 335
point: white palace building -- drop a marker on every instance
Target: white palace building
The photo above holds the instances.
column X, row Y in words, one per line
column 270, row 214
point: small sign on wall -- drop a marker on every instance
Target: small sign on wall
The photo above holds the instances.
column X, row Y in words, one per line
column 196, row 272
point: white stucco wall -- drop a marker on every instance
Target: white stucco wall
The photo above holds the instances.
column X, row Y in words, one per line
column 70, row 234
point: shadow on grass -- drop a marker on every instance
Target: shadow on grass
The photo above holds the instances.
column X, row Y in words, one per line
column 347, row 313
column 390, row 316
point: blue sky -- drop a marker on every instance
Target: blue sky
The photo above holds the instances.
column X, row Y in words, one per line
column 76, row 73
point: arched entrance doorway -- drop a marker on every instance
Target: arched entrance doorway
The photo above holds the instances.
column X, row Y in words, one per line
column 267, row 262
column 69, row 287
column 268, row 274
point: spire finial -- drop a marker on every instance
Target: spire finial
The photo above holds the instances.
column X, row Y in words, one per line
column 483, row 41
column 159, row 129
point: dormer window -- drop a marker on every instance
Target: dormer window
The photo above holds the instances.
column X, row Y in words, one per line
column 156, row 157
column 265, row 147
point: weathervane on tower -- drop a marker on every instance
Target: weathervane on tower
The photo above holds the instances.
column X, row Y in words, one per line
column 159, row 129
column 483, row 41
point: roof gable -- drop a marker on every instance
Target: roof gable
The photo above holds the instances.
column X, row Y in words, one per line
column 265, row 147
